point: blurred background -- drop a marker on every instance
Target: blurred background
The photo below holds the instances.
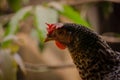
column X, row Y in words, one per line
column 23, row 53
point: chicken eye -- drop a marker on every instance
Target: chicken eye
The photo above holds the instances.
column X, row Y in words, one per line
column 60, row 32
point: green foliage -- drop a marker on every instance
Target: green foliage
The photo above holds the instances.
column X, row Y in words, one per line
column 5, row 44
column 13, row 25
column 69, row 12
column 74, row 15
column 8, row 43
column 15, row 4
column 41, row 16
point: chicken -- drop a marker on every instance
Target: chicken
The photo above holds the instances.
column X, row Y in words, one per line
column 94, row 59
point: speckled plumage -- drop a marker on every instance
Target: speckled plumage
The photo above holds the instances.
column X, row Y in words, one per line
column 92, row 56
column 94, row 59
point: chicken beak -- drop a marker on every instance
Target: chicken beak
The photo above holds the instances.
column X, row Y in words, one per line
column 48, row 39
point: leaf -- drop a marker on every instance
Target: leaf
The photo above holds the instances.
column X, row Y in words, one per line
column 6, row 41
column 74, row 16
column 15, row 4
column 14, row 22
column 8, row 66
column 44, row 15
column 70, row 13
column 6, row 44
column 9, row 42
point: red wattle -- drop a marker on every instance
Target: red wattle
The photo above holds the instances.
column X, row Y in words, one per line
column 60, row 45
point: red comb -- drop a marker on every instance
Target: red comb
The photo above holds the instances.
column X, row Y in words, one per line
column 50, row 27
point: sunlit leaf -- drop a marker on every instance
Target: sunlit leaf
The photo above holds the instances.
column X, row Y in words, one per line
column 7, row 41
column 14, row 22
column 6, row 44
column 70, row 13
column 74, row 16
column 44, row 15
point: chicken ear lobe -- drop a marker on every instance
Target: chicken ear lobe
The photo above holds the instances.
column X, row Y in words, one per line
column 60, row 45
